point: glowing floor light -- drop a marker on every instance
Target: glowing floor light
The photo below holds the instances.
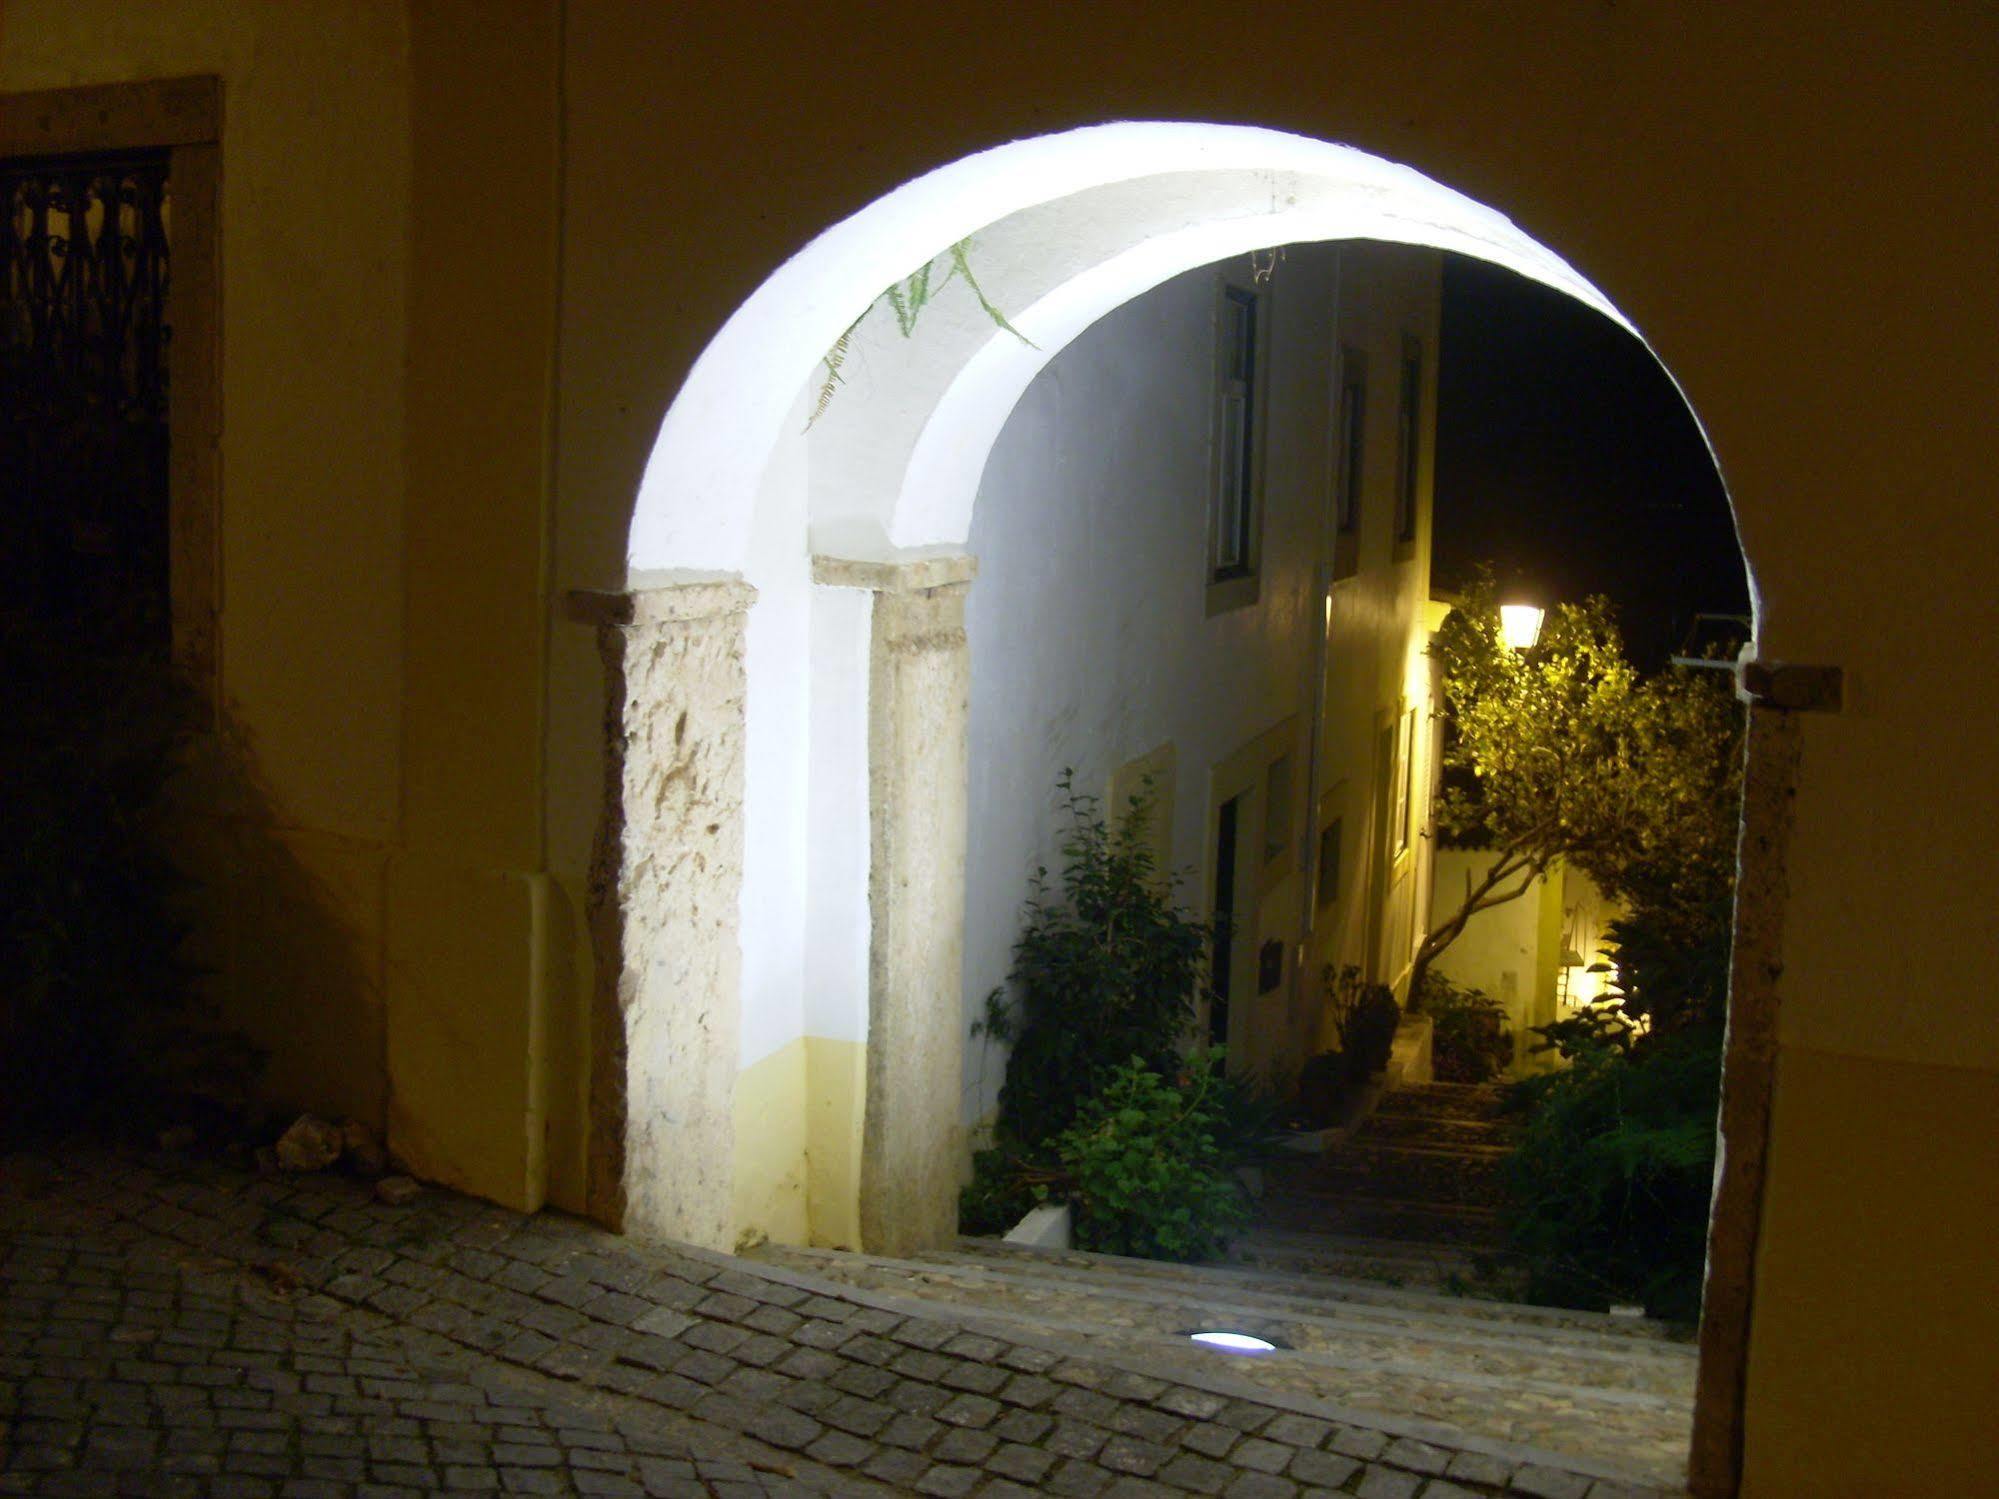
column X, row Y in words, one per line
column 1234, row 1342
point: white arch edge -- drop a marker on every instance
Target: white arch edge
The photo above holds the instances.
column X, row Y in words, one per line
column 693, row 512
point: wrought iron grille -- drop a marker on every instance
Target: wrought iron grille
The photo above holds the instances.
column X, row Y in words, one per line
column 84, row 274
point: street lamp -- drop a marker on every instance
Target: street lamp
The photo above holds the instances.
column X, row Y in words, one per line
column 1520, row 625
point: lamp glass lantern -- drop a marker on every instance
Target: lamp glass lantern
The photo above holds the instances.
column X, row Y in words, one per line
column 1520, row 625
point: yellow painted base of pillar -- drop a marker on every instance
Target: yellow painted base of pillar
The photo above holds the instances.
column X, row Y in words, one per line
column 798, row 1144
column 838, row 1078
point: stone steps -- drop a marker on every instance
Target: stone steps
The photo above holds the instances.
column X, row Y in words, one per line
column 1465, row 1175
column 1356, row 1296
column 1471, row 1228
column 1416, row 1266
column 1470, row 1102
column 1434, row 1131
column 1615, row 1389
column 1423, row 1171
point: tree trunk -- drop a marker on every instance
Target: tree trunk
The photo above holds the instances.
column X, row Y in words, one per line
column 1477, row 898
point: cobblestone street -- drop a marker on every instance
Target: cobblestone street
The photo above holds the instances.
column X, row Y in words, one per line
column 173, row 1326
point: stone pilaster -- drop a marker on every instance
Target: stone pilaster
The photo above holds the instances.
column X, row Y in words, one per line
column 1748, row 1086
column 918, row 705
column 665, row 892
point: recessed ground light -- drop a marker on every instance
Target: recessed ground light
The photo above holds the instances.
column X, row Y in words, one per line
column 1235, row 1342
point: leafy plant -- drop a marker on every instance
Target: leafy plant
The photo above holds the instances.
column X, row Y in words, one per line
column 1469, row 1041
column 1672, row 962
column 1099, row 1106
column 1321, row 1094
column 1148, row 1173
column 1608, row 1190
column 906, row 299
column 1106, row 968
column 1594, row 1028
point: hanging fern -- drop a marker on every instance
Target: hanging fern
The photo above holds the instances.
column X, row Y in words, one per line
column 906, row 299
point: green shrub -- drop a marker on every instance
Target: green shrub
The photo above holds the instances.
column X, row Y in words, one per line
column 1150, row 1176
column 1469, row 1041
column 1098, row 1106
column 1609, row 1188
column 1672, row 963
column 1107, row 968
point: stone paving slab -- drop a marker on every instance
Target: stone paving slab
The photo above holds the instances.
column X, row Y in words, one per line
column 156, row 1309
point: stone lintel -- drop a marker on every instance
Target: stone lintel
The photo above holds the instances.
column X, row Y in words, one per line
column 666, row 603
column 112, row 116
column 1791, row 688
column 913, row 573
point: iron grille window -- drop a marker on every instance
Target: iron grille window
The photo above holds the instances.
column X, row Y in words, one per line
column 84, row 271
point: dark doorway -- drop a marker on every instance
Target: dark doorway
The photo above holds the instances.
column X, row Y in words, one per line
column 84, row 339
column 1225, row 841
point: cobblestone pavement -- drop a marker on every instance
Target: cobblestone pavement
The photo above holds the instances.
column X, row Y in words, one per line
column 175, row 1326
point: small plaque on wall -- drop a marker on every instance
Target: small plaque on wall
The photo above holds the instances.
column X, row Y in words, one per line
column 1269, row 965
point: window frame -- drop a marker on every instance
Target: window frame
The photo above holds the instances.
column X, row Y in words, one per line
column 1349, row 459
column 1409, row 446
column 1241, row 366
column 183, row 118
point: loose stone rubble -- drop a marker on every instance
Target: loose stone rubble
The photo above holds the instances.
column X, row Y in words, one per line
column 176, row 1326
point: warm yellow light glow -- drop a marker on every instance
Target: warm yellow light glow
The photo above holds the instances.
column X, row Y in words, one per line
column 1520, row 625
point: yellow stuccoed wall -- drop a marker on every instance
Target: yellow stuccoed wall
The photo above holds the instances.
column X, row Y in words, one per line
column 479, row 982
column 1793, row 205
column 379, row 914
column 307, row 778
column 1789, row 205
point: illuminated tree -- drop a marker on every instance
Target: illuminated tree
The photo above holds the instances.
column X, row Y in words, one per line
column 1565, row 751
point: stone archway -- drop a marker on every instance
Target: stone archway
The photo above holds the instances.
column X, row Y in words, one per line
column 782, row 862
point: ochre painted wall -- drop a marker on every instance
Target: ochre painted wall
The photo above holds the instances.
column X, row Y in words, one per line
column 480, row 984
column 1787, row 204
column 369, row 831
column 301, row 795
column 1792, row 204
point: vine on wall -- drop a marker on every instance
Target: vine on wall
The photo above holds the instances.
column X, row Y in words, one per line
column 906, row 299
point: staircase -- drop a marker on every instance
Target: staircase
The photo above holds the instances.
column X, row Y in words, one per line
column 1409, row 1197
column 1610, row 1395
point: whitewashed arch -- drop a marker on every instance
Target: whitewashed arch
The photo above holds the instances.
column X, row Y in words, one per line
column 1069, row 226
column 755, row 473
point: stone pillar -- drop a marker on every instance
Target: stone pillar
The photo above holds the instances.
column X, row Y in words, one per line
column 1777, row 694
column 666, row 883
column 919, row 683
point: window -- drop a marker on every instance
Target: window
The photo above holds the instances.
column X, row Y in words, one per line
column 1408, row 440
column 1233, row 507
column 1328, row 871
column 1404, row 791
column 1277, row 809
column 1349, row 457
column 127, row 177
